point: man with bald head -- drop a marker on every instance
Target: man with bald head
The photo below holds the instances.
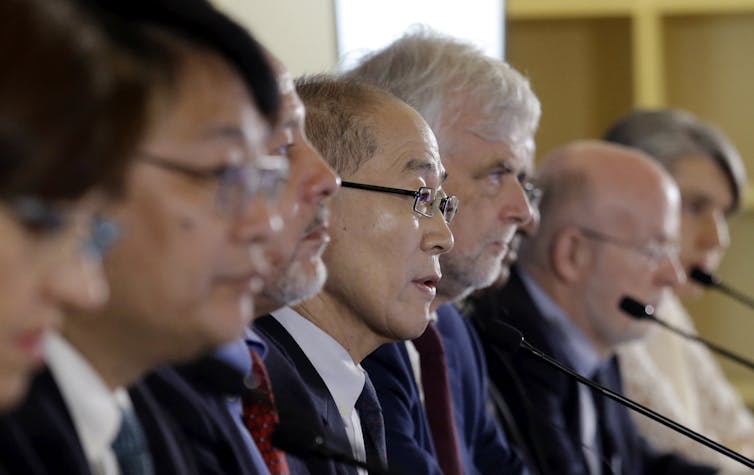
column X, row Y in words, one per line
column 609, row 228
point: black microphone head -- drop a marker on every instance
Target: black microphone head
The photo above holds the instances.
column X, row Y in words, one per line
column 298, row 439
column 636, row 309
column 506, row 337
column 704, row 278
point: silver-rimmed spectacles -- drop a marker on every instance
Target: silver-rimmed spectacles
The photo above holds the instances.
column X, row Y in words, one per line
column 655, row 251
column 239, row 183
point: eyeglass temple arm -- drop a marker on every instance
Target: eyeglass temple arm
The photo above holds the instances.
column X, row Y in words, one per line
column 385, row 189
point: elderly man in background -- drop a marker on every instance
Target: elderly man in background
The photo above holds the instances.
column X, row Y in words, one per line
column 484, row 115
column 609, row 228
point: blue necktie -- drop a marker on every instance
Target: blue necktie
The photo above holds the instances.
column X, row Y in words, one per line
column 130, row 447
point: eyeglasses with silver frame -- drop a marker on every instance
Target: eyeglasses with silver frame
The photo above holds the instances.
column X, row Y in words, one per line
column 240, row 183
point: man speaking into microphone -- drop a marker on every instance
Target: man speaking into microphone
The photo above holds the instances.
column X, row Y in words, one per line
column 609, row 228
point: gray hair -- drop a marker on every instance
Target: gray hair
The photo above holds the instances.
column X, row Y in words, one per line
column 668, row 135
column 440, row 76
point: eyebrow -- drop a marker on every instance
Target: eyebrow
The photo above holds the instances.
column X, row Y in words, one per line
column 223, row 131
column 420, row 165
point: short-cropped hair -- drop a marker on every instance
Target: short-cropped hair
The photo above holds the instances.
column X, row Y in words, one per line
column 200, row 23
column 339, row 119
column 670, row 134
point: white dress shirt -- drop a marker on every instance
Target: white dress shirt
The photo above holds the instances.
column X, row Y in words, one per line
column 343, row 378
column 94, row 408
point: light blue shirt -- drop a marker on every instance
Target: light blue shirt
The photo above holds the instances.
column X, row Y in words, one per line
column 236, row 354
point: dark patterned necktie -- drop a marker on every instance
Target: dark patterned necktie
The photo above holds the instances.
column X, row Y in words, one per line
column 370, row 415
column 130, row 447
column 437, row 401
column 261, row 417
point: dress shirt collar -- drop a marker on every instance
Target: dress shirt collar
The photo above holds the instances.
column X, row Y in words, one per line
column 94, row 408
column 343, row 378
column 579, row 351
column 236, row 353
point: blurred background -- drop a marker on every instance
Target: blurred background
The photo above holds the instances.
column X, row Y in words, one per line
column 589, row 61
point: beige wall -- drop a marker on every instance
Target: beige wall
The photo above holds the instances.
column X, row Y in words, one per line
column 300, row 32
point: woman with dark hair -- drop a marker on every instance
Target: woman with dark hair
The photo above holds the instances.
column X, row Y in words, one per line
column 72, row 107
column 672, row 376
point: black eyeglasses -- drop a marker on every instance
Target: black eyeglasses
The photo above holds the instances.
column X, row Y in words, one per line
column 426, row 199
column 40, row 216
column 240, row 183
column 654, row 251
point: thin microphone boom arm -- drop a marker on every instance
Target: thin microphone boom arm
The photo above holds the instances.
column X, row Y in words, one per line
column 708, row 280
column 645, row 312
column 502, row 333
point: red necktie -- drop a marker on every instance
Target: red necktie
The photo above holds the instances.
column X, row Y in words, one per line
column 261, row 417
column 437, row 402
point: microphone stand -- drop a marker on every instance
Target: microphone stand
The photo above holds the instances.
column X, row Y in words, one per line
column 646, row 312
column 708, row 280
column 503, row 333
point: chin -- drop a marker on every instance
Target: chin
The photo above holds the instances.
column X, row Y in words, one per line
column 12, row 390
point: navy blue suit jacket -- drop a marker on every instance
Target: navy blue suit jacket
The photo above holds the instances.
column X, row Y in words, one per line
column 300, row 392
column 194, row 396
column 483, row 448
column 548, row 413
column 39, row 437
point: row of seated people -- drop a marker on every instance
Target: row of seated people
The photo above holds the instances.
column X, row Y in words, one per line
column 210, row 292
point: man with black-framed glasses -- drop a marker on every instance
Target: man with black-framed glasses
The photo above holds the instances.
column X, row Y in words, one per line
column 609, row 228
column 387, row 227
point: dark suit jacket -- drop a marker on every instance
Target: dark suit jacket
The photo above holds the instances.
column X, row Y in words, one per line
column 194, row 396
column 300, row 392
column 483, row 448
column 548, row 412
column 39, row 436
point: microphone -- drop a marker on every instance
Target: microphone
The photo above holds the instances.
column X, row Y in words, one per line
column 637, row 310
column 708, row 280
column 293, row 435
column 510, row 339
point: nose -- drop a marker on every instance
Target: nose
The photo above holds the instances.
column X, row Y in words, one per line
column 321, row 181
column 514, row 206
column 76, row 280
column 669, row 272
column 259, row 222
column 437, row 238
column 715, row 234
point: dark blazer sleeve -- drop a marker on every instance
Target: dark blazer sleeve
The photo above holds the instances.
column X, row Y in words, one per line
column 545, row 403
column 407, row 434
column 484, row 449
column 39, row 437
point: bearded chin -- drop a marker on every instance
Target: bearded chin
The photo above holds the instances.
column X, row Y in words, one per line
column 462, row 276
column 301, row 281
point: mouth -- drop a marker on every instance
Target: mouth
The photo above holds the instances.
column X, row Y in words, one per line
column 427, row 284
column 31, row 344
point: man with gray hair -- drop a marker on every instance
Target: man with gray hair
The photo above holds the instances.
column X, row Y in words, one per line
column 484, row 115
